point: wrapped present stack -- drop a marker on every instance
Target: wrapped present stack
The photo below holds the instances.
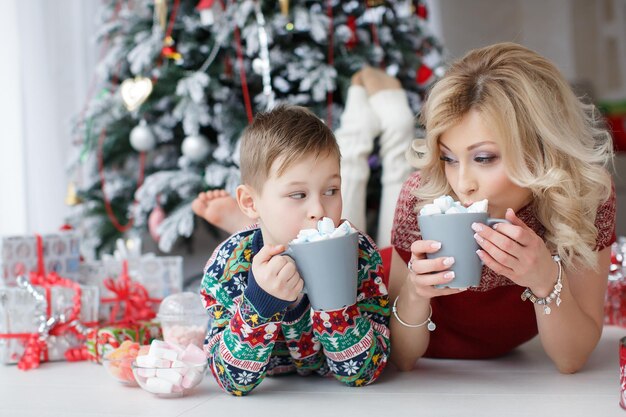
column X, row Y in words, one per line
column 43, row 315
column 53, row 307
column 131, row 286
column 19, row 256
column 615, row 302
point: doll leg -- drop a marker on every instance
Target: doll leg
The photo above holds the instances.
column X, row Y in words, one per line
column 359, row 127
column 397, row 133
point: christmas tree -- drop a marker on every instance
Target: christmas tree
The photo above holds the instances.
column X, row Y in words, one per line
column 179, row 80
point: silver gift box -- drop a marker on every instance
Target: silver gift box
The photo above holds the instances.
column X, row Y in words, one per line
column 18, row 255
column 20, row 314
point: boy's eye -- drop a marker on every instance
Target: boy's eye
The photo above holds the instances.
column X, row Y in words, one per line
column 331, row 191
column 297, row 196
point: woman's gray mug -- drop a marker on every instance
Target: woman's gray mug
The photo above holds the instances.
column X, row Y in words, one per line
column 329, row 269
column 455, row 233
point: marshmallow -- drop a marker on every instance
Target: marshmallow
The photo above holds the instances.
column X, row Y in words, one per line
column 446, row 205
column 193, row 355
column 430, row 209
column 183, row 335
column 456, row 209
column 326, row 226
column 444, row 202
column 478, row 207
column 325, row 230
column 169, row 374
column 159, row 386
column 191, row 378
column 149, row 361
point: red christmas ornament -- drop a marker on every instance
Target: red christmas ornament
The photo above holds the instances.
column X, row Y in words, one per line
column 205, row 4
column 155, row 219
column 421, row 11
column 351, row 43
column 169, row 49
column 423, row 74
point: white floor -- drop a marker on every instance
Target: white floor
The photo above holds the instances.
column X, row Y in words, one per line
column 524, row 383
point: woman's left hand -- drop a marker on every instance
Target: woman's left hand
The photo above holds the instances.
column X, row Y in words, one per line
column 517, row 252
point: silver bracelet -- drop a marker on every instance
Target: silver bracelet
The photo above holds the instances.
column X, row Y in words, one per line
column 554, row 295
column 431, row 324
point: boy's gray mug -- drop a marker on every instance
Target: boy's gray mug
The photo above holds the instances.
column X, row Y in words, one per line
column 455, row 233
column 329, row 269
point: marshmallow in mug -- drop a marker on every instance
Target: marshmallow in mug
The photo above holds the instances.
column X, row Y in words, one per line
column 446, row 205
column 325, row 230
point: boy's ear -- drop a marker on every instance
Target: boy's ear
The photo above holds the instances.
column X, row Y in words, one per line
column 246, row 200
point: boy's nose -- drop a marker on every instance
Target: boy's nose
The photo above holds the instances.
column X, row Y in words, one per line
column 315, row 210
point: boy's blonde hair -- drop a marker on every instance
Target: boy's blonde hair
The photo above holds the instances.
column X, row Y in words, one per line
column 287, row 132
column 553, row 144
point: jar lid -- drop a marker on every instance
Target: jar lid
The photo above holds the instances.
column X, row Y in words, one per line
column 184, row 304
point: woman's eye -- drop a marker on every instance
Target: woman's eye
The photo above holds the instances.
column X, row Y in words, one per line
column 487, row 159
column 332, row 191
column 297, row 196
column 446, row 159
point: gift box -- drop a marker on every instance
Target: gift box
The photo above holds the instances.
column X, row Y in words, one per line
column 45, row 314
column 19, row 255
column 160, row 276
column 103, row 340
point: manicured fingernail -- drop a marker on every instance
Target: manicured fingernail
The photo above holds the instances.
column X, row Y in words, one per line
column 478, row 238
column 477, row 227
column 449, row 275
column 495, row 226
column 435, row 245
column 448, row 261
column 479, row 253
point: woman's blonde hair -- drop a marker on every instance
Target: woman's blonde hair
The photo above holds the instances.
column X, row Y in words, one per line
column 552, row 143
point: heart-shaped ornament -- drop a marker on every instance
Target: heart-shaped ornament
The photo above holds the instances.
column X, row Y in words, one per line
column 135, row 91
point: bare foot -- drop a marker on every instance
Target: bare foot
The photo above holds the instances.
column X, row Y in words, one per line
column 220, row 209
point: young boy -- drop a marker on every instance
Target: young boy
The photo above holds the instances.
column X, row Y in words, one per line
column 262, row 324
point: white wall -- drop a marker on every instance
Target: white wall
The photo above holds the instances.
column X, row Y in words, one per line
column 51, row 50
column 12, row 175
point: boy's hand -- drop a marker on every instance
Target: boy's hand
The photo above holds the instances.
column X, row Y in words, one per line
column 277, row 275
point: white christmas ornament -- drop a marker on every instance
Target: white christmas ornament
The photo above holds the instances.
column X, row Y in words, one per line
column 195, row 147
column 141, row 137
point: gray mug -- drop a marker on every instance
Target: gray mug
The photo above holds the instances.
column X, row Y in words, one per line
column 329, row 269
column 455, row 233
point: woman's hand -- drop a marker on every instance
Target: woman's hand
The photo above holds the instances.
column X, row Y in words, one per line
column 517, row 252
column 425, row 273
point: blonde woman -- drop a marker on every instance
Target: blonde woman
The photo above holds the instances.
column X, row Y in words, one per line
column 504, row 125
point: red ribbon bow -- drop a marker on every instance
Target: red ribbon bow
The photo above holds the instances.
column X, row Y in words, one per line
column 36, row 346
column 137, row 302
